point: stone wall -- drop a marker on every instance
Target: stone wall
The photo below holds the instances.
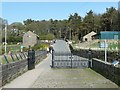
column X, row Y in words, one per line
column 111, row 55
column 107, row 70
column 10, row 71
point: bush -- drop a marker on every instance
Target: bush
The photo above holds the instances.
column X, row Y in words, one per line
column 13, row 39
column 40, row 46
column 47, row 37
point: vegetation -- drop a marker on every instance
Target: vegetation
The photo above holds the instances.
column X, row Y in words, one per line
column 48, row 36
column 73, row 28
column 41, row 46
column 13, row 48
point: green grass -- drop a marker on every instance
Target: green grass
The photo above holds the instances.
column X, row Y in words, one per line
column 110, row 46
column 113, row 46
column 13, row 48
column 95, row 45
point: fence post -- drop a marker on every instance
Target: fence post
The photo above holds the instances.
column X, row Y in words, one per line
column 71, row 59
column 20, row 56
column 12, row 57
column 6, row 59
column 24, row 55
column 16, row 56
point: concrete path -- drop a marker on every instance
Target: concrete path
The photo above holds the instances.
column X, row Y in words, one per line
column 28, row 78
column 61, row 46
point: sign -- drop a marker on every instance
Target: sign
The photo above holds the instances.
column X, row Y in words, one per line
column 103, row 45
column 21, row 48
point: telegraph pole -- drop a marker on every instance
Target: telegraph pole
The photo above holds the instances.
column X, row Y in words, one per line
column 70, row 34
column 60, row 33
column 5, row 36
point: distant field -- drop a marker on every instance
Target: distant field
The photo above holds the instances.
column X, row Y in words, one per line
column 110, row 46
column 12, row 48
column 96, row 45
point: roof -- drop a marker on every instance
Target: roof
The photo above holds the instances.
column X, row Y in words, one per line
column 110, row 35
column 90, row 34
column 30, row 32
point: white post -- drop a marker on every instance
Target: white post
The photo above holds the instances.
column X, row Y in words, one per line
column 5, row 38
column 105, row 51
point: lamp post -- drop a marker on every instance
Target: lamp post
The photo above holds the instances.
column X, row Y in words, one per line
column 6, row 23
column 69, row 33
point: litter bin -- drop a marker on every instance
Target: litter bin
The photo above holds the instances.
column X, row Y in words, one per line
column 31, row 59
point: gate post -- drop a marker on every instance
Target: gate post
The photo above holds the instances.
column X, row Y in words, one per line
column 71, row 60
column 31, row 59
column 90, row 57
column 52, row 58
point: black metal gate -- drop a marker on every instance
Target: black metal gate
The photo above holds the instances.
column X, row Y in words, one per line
column 67, row 60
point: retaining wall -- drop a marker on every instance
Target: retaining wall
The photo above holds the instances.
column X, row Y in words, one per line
column 111, row 55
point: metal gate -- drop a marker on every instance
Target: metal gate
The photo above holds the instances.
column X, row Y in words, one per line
column 67, row 60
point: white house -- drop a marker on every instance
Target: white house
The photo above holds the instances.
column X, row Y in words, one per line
column 89, row 37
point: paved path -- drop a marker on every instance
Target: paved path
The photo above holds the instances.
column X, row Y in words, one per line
column 61, row 46
column 28, row 78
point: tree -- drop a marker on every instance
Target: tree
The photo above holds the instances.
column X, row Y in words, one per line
column 28, row 21
column 74, row 22
column 89, row 21
column 109, row 20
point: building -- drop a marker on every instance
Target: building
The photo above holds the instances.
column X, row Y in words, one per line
column 115, row 35
column 89, row 37
column 30, row 39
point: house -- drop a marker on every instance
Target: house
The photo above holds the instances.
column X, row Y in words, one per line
column 30, row 39
column 89, row 37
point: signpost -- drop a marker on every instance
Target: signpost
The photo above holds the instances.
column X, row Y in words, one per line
column 106, row 51
column 105, row 46
column 21, row 47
